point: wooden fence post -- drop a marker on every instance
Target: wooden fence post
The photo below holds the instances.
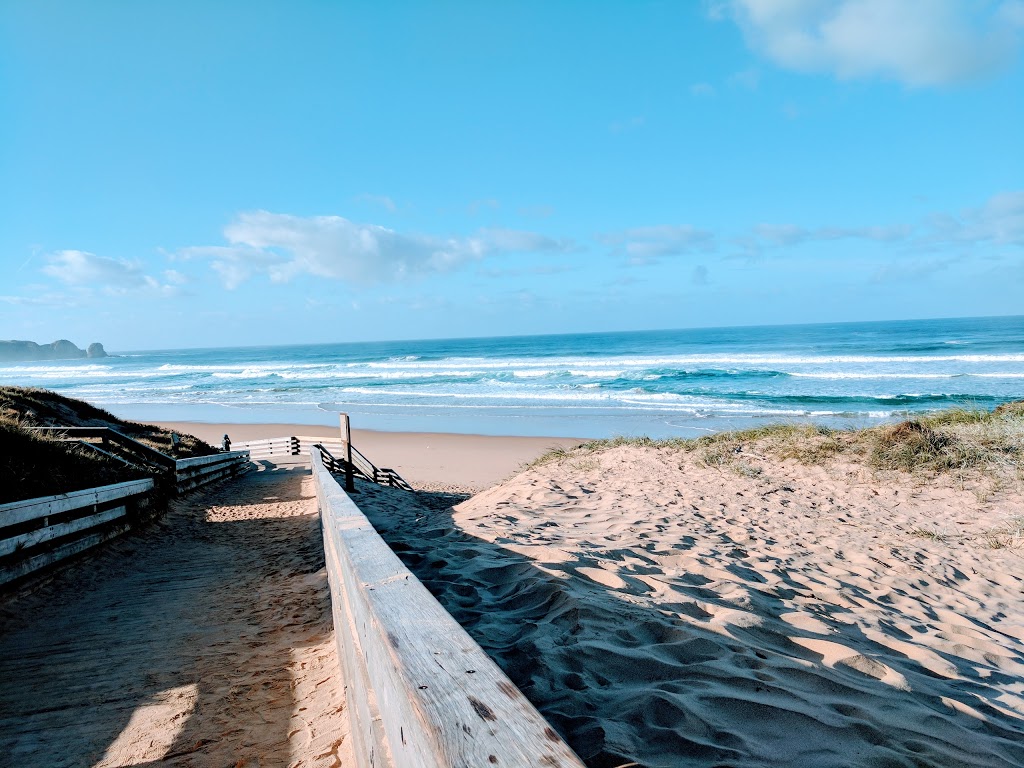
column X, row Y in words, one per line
column 346, row 435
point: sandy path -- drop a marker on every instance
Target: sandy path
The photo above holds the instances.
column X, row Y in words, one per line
column 204, row 640
column 662, row 611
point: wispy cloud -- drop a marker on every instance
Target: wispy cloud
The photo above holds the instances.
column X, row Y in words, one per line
column 283, row 246
column 82, row 269
column 382, row 201
column 536, row 211
column 644, row 245
column 999, row 221
column 486, row 204
column 625, row 126
column 747, row 78
column 917, row 42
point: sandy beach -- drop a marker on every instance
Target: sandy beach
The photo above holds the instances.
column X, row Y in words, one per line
column 425, row 459
column 664, row 607
column 793, row 596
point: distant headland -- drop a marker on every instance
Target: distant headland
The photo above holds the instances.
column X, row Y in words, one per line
column 62, row 349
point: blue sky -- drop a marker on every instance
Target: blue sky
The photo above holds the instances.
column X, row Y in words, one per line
column 201, row 174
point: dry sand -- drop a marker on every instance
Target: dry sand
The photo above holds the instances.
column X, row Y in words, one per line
column 763, row 614
column 425, row 459
column 203, row 640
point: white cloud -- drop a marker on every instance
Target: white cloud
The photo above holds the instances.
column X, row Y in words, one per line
column 89, row 272
column 643, row 245
column 702, row 89
column 283, row 246
column 88, row 269
column 999, row 221
column 789, row 234
column 917, row 42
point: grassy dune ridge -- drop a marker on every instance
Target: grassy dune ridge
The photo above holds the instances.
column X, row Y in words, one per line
column 33, row 465
column 943, row 441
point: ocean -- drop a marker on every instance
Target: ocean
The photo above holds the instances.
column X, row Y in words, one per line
column 656, row 383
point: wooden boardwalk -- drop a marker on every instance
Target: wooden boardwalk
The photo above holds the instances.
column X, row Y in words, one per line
column 203, row 640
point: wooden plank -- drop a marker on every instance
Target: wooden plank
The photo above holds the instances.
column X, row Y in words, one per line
column 258, row 443
column 442, row 701
column 365, row 721
column 51, row 532
column 218, row 473
column 113, row 435
column 33, row 509
column 198, row 461
column 44, row 559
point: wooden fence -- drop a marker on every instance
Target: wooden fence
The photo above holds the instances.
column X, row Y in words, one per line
column 182, row 474
column 421, row 693
column 299, row 447
column 39, row 532
column 200, row 470
column 277, row 448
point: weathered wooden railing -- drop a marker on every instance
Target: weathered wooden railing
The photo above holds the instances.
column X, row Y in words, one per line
column 361, row 467
column 200, row 470
column 299, row 446
column 421, row 693
column 140, row 452
column 182, row 474
column 39, row 532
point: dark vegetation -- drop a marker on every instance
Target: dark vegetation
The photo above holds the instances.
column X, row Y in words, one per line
column 33, row 464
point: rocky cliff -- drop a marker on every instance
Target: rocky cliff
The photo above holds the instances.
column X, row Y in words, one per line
column 62, row 349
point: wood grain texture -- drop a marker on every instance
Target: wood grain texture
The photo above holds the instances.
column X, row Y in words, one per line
column 217, row 458
column 33, row 509
column 441, row 700
column 51, row 532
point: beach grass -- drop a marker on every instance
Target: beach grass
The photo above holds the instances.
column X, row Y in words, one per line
column 34, row 464
column 952, row 440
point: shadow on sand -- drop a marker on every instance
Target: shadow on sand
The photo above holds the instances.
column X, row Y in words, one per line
column 192, row 623
column 628, row 681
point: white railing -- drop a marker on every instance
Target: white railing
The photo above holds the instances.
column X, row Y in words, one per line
column 421, row 693
column 39, row 532
column 277, row 448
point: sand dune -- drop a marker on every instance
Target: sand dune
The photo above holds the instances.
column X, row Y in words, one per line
column 660, row 611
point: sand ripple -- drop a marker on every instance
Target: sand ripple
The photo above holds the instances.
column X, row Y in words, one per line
column 659, row 611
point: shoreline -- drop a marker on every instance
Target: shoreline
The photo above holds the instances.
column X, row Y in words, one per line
column 434, row 459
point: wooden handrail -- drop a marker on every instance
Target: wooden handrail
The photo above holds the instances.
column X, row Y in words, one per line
column 421, row 693
column 141, row 449
column 362, row 467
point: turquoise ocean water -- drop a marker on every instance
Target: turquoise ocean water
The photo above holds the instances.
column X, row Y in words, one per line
column 658, row 383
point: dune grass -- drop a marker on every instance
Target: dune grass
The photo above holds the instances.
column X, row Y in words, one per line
column 34, row 407
column 33, row 465
column 953, row 440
